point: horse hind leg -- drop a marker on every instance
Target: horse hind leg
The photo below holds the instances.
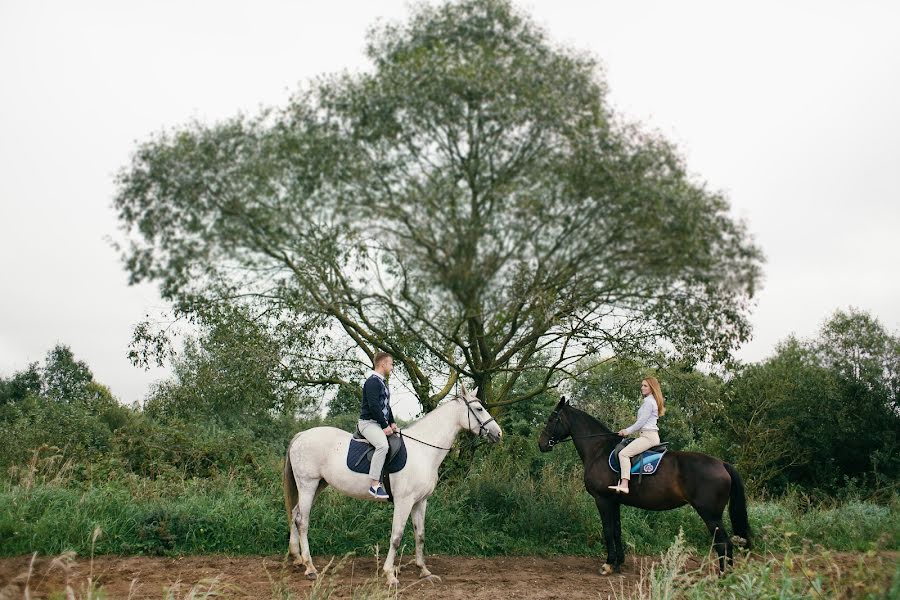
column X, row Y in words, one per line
column 721, row 541
column 418, row 520
column 307, row 492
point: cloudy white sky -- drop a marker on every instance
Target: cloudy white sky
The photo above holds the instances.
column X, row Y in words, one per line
column 790, row 108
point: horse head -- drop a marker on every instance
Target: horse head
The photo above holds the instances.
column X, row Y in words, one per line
column 476, row 418
column 557, row 428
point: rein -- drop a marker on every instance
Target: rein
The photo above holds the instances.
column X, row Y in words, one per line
column 404, row 436
column 551, row 441
column 482, row 426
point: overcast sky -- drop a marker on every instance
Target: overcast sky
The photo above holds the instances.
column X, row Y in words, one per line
column 790, row 108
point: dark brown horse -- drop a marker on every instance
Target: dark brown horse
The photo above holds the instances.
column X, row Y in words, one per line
column 704, row 482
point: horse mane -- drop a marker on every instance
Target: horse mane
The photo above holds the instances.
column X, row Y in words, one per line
column 443, row 404
column 593, row 421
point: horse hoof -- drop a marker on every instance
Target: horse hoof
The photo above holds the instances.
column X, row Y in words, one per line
column 312, row 576
column 606, row 569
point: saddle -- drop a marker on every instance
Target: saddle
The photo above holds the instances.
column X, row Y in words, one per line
column 359, row 457
column 645, row 463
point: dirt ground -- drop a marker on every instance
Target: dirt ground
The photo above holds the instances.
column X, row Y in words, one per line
column 463, row 578
column 466, row 578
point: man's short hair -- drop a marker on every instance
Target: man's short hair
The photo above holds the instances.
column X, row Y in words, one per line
column 380, row 356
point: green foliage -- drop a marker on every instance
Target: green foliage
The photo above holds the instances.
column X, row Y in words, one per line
column 58, row 408
column 21, row 385
column 775, row 413
column 346, row 401
column 66, row 379
column 233, row 374
column 819, row 414
column 199, row 470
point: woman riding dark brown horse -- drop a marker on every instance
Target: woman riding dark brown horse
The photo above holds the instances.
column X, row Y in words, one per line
column 704, row 482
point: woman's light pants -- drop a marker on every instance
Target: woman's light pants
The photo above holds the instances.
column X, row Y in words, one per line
column 647, row 440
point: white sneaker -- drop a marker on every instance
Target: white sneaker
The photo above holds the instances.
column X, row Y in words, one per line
column 378, row 493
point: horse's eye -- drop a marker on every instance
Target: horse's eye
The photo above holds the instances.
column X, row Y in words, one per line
column 479, row 409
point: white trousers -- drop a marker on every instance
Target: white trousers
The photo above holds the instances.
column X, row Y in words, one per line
column 373, row 432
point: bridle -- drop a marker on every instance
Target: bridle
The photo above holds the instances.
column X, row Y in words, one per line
column 554, row 417
column 552, row 441
column 482, row 425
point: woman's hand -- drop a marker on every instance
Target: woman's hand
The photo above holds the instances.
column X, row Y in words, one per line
column 623, row 433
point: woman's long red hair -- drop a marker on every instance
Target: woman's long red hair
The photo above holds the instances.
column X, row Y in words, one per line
column 657, row 394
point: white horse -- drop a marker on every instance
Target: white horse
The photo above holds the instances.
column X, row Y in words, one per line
column 317, row 457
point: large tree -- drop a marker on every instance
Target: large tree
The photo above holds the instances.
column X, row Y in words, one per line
column 469, row 204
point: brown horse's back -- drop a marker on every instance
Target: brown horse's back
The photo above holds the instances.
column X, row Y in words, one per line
column 682, row 478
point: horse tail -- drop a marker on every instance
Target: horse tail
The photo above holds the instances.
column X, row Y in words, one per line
column 737, row 507
column 291, row 495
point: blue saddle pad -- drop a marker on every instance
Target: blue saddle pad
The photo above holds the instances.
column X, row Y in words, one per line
column 644, row 463
column 359, row 457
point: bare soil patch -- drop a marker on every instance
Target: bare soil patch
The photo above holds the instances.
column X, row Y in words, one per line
column 462, row 577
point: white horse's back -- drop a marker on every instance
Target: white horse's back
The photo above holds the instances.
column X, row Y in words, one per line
column 321, row 453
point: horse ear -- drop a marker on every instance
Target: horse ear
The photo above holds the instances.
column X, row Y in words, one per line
column 562, row 401
column 475, row 393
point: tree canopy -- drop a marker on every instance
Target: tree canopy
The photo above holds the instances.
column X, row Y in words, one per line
column 470, row 204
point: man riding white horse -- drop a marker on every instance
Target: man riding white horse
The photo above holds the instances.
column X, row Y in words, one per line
column 376, row 421
column 319, row 457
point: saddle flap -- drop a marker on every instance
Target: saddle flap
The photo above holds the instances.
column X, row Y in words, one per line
column 359, row 455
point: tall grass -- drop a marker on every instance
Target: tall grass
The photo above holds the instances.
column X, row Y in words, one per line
column 801, row 572
column 498, row 507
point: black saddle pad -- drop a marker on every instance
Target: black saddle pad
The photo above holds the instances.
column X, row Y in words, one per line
column 359, row 455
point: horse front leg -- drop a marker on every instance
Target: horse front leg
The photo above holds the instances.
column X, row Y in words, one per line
column 418, row 520
column 609, row 514
column 619, row 558
column 402, row 508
